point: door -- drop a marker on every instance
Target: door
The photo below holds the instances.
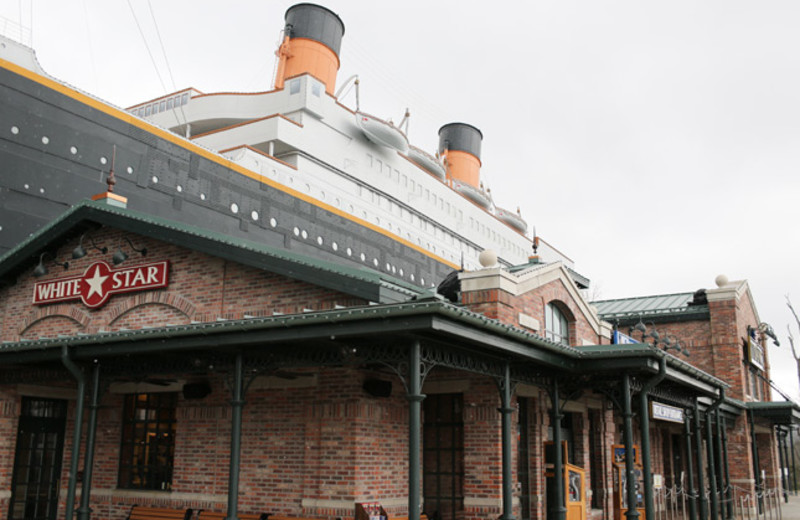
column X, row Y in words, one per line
column 37, row 461
column 443, row 452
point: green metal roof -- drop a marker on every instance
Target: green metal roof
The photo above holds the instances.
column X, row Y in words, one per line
column 666, row 305
column 357, row 281
column 779, row 412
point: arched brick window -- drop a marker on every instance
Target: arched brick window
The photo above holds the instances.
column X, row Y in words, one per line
column 556, row 324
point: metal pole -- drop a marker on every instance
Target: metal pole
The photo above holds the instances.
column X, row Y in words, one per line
column 237, row 403
column 712, row 468
column 692, row 492
column 415, row 397
column 728, row 487
column 506, row 410
column 785, row 466
column 77, row 373
column 794, row 457
column 756, row 463
column 84, row 511
column 644, row 423
column 701, row 484
column 630, row 477
column 558, row 509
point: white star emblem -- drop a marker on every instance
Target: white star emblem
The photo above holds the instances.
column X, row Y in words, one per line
column 96, row 283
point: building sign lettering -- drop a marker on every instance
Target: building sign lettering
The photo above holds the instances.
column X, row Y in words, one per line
column 99, row 282
column 665, row 412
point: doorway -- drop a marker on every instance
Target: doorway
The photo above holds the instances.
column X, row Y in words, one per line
column 443, row 456
column 37, row 462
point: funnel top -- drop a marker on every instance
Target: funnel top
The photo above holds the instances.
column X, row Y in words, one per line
column 315, row 23
column 461, row 137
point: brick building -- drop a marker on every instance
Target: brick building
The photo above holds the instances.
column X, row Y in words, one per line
column 240, row 378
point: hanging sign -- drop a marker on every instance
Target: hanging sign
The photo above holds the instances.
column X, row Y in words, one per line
column 755, row 350
column 100, row 281
column 665, row 412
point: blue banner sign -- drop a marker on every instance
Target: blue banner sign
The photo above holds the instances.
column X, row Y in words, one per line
column 622, row 339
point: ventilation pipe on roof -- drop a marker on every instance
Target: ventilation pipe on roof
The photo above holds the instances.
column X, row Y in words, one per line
column 460, row 147
column 312, row 39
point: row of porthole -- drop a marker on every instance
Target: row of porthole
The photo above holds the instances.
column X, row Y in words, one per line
column 72, row 150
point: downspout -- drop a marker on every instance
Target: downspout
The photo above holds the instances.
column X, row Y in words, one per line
column 79, row 376
column 84, row 511
column 558, row 509
column 237, row 403
column 415, row 397
column 644, row 423
column 506, row 410
column 781, row 460
column 633, row 512
column 721, row 482
column 794, row 469
column 712, row 467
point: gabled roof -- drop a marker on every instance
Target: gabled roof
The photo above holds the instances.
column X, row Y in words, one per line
column 661, row 305
column 356, row 281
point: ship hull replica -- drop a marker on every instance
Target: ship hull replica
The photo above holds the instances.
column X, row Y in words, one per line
column 288, row 168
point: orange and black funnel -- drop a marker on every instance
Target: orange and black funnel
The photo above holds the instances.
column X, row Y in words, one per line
column 460, row 148
column 311, row 43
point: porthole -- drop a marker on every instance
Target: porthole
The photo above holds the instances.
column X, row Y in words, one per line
column 73, row 150
column 412, row 277
column 45, row 139
column 273, row 222
column 41, row 190
column 335, row 246
column 154, row 179
column 394, row 270
column 422, row 281
column 15, row 130
column 388, row 266
column 129, row 170
column 304, row 234
column 375, row 262
column 103, row 160
column 320, row 241
column 401, row 272
column 349, row 252
column 322, row 195
column 179, row 188
column 363, row 257
column 234, row 208
column 254, row 215
column 308, row 188
column 202, row 196
column 296, row 231
column 27, row 186
column 1, row 228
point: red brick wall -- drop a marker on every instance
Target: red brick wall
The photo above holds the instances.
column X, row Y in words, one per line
column 202, row 288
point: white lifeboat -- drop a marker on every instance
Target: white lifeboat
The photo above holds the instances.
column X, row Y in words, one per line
column 512, row 219
column 427, row 162
column 380, row 132
column 477, row 195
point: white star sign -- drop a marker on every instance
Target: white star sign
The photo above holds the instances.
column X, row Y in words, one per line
column 96, row 283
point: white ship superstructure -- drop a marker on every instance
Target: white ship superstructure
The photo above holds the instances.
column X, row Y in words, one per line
column 300, row 136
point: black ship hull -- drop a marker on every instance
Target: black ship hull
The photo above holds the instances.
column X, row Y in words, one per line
column 56, row 148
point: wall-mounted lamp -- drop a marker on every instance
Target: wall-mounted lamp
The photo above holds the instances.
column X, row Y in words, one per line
column 120, row 256
column 765, row 329
column 80, row 251
column 41, row 269
column 666, row 342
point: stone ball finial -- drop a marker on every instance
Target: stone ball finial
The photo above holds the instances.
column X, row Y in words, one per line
column 721, row 280
column 487, row 258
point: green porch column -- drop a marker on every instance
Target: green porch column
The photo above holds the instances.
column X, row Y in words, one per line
column 84, row 511
column 644, row 424
column 415, row 397
column 692, row 491
column 77, row 373
column 506, row 410
column 756, row 463
column 701, row 484
column 712, row 469
column 237, row 403
column 728, row 487
column 627, row 414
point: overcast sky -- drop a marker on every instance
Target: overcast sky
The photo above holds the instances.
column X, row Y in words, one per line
column 657, row 144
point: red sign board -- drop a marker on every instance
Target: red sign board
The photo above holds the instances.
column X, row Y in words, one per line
column 99, row 282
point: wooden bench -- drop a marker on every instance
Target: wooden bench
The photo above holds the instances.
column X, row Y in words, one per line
column 158, row 513
column 213, row 515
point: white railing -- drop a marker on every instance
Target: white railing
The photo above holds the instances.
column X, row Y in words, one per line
column 14, row 31
column 672, row 503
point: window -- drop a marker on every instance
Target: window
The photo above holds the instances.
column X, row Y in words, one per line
column 148, row 441
column 555, row 324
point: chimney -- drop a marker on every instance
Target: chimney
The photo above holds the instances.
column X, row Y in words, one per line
column 460, row 147
column 312, row 38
